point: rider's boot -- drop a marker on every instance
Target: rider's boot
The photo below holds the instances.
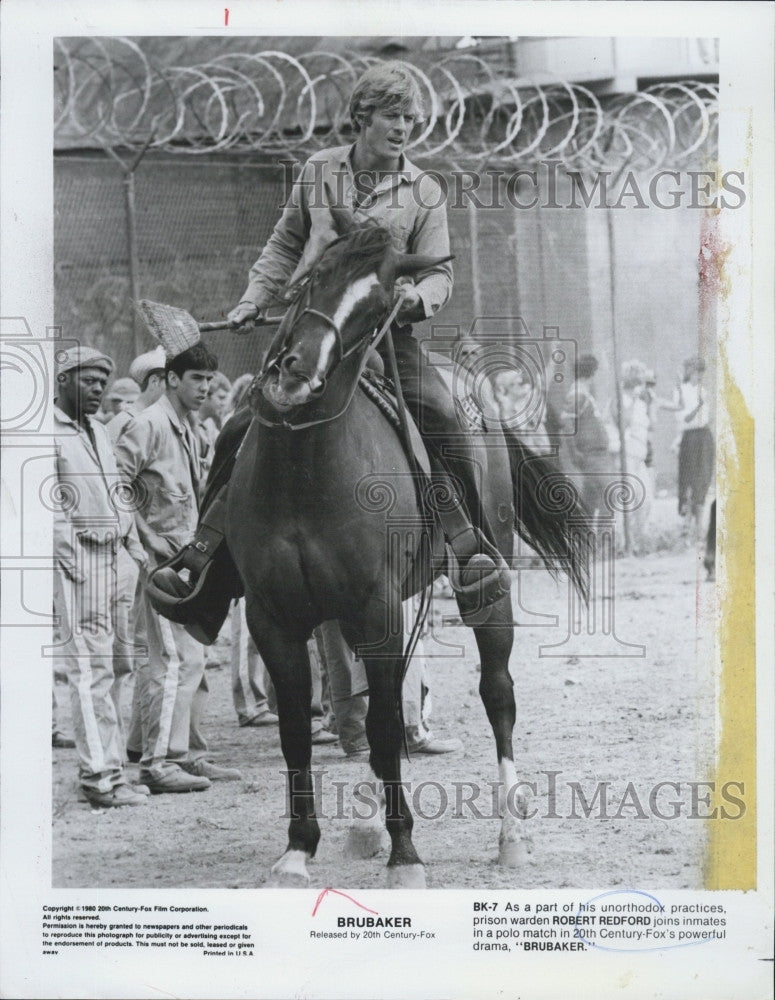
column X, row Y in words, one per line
column 200, row 598
column 477, row 572
column 196, row 586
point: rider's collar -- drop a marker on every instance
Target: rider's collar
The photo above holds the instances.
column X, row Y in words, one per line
column 407, row 173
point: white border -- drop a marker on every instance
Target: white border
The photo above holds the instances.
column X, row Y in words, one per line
column 26, row 289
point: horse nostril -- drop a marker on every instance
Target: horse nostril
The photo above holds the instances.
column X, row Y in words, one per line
column 288, row 362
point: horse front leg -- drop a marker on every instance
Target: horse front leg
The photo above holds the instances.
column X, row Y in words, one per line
column 384, row 730
column 287, row 661
column 495, row 641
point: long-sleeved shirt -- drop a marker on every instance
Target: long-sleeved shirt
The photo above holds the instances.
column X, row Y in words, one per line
column 159, row 457
column 91, row 502
column 409, row 203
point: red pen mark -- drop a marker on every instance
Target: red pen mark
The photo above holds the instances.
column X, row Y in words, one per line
column 325, row 892
column 226, row 17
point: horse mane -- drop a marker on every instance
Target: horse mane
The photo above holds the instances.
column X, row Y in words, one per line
column 353, row 255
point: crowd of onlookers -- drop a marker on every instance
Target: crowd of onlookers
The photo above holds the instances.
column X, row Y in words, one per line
column 595, row 444
column 154, row 431
column 152, row 436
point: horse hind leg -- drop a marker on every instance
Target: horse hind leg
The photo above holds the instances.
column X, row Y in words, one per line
column 495, row 640
column 287, row 661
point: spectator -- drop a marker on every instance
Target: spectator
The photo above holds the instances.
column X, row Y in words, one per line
column 158, row 454
column 586, row 436
column 696, row 448
column 696, row 453
column 636, row 423
column 211, row 415
column 147, row 371
column 121, row 396
column 88, row 531
column 250, row 684
column 237, row 395
column 522, row 408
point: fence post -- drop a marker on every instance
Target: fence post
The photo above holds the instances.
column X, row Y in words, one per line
column 130, row 217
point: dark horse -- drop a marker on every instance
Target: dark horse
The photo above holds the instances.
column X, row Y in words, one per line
column 308, row 515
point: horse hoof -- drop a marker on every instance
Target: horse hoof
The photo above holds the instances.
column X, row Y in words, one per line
column 365, row 842
column 287, row 880
column 290, row 871
column 406, row 877
column 512, row 854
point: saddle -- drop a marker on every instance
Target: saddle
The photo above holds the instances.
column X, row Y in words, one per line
column 202, row 602
column 446, row 518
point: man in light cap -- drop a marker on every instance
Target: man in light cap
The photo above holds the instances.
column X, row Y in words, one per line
column 146, row 374
column 91, row 523
column 120, row 396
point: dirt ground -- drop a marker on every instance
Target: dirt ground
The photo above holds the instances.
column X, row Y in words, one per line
column 614, row 719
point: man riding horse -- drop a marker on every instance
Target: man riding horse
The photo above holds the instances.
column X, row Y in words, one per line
column 371, row 180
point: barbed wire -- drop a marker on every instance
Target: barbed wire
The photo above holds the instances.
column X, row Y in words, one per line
column 109, row 93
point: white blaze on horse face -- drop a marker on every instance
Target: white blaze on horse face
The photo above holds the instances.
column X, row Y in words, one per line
column 327, row 345
column 357, row 293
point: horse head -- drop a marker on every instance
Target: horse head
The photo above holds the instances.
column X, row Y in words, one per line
column 336, row 308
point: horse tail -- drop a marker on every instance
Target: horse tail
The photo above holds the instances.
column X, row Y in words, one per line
column 549, row 514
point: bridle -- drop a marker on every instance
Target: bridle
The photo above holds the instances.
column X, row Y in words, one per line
column 364, row 343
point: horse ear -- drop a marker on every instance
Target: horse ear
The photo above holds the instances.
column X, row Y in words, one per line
column 410, row 264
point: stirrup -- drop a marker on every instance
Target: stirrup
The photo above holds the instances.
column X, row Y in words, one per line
column 480, row 583
column 200, row 604
column 202, row 608
column 170, row 595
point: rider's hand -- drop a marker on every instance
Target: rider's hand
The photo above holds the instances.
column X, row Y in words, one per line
column 412, row 309
column 241, row 314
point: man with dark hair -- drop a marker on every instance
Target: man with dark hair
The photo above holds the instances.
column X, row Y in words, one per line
column 148, row 372
column 159, row 456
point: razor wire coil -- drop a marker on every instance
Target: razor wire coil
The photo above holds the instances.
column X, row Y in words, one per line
column 109, row 93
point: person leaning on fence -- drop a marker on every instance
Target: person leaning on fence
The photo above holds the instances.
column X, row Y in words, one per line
column 90, row 526
column 158, row 454
column 370, row 180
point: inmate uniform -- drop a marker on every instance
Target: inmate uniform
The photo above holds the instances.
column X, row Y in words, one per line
column 91, row 523
column 158, row 454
